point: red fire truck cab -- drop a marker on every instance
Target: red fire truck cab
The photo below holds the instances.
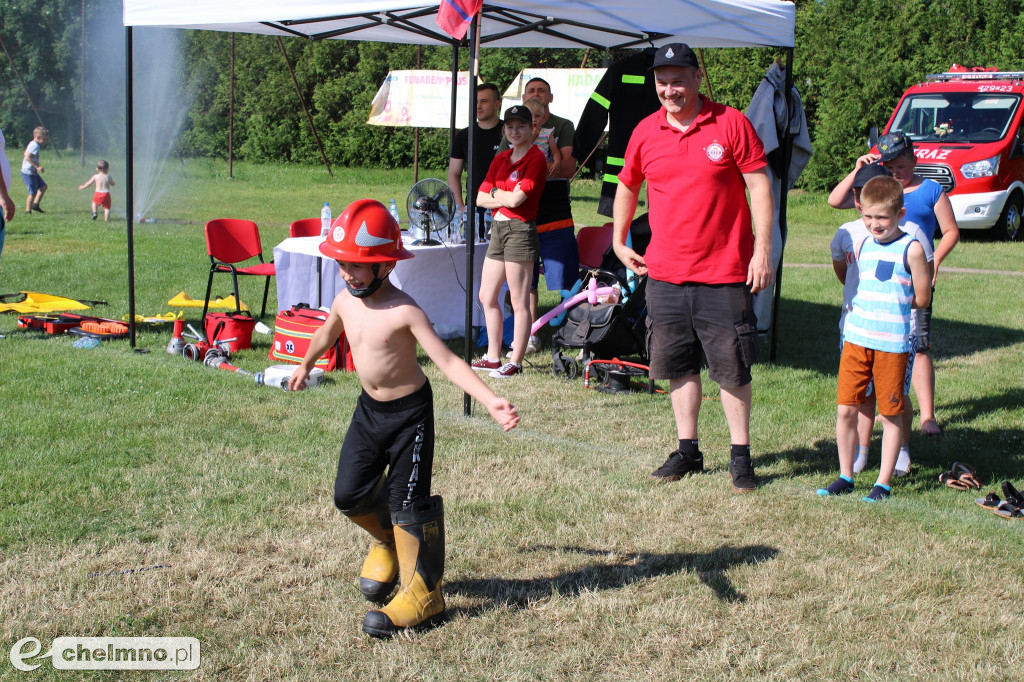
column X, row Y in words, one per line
column 968, row 135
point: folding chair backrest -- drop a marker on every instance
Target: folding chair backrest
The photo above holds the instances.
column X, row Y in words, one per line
column 307, row 227
column 232, row 240
column 592, row 242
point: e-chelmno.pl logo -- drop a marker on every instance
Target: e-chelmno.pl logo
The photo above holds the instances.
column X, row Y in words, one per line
column 109, row 653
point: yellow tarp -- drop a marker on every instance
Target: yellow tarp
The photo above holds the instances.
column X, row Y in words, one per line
column 184, row 300
column 42, row 303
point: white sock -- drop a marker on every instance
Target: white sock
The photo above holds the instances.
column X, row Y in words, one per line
column 903, row 461
column 862, row 459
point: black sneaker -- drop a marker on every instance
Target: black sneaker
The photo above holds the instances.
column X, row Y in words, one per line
column 742, row 471
column 678, row 465
column 35, row 207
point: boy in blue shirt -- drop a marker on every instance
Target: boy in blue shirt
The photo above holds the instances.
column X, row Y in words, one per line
column 894, row 277
column 31, row 170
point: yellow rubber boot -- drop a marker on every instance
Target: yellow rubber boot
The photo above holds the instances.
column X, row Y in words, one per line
column 379, row 573
column 419, row 541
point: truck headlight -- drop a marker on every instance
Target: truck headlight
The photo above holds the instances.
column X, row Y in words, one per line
column 980, row 169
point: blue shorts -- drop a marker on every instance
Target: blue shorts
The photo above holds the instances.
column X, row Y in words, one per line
column 561, row 259
column 33, row 182
column 3, row 233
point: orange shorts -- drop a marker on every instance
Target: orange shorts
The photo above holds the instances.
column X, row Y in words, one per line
column 859, row 365
column 101, row 199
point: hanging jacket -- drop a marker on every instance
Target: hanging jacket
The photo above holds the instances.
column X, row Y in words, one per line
column 621, row 100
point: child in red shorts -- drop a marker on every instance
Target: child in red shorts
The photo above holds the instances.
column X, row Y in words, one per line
column 102, row 195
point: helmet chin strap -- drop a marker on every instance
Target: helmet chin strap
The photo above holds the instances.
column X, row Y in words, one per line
column 371, row 287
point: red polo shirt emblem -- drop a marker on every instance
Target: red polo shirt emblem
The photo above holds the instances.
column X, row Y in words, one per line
column 715, row 151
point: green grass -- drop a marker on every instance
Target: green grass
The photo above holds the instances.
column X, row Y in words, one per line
column 563, row 561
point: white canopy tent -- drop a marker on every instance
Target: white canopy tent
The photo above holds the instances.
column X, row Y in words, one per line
column 598, row 24
column 505, row 23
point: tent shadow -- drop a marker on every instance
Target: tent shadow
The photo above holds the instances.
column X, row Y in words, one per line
column 808, row 337
column 611, row 572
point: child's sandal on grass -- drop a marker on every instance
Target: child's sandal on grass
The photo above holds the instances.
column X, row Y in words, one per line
column 1012, row 495
column 967, row 475
column 990, row 501
column 951, row 479
column 1000, row 507
column 961, row 477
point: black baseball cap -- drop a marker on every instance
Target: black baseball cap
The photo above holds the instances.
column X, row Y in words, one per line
column 675, row 54
column 893, row 144
column 518, row 113
column 871, row 170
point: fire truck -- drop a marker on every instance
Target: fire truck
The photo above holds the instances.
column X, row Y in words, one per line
column 968, row 135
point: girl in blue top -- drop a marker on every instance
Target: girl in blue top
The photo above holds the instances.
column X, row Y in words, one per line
column 928, row 206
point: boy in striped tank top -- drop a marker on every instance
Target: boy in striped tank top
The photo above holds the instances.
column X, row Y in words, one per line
column 894, row 277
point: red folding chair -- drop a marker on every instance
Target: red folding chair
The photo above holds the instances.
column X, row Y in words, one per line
column 592, row 242
column 230, row 241
column 307, row 227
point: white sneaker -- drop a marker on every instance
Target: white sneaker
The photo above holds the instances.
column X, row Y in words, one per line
column 532, row 347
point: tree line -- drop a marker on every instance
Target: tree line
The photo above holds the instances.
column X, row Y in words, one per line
column 853, row 59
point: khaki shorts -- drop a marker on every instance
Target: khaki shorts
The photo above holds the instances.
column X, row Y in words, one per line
column 860, row 365
column 513, row 240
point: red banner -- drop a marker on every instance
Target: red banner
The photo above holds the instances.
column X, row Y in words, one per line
column 454, row 16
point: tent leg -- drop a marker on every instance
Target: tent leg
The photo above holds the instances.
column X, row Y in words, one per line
column 471, row 228
column 129, row 159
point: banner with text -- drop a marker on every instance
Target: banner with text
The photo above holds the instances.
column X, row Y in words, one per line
column 420, row 99
column 571, row 88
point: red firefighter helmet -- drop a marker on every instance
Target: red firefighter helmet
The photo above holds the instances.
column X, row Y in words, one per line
column 365, row 233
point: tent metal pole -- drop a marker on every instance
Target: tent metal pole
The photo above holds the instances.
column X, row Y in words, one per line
column 787, row 156
column 231, row 107
column 81, row 87
column 129, row 162
column 471, row 228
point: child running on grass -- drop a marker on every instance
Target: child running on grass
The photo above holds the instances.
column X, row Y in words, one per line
column 386, row 460
column 101, row 197
column 894, row 277
column 32, row 170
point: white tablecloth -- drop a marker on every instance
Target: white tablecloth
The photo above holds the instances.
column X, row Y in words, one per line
column 435, row 278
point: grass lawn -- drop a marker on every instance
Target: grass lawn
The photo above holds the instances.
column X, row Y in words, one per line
column 563, row 560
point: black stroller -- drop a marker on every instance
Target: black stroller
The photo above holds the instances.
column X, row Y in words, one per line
column 607, row 332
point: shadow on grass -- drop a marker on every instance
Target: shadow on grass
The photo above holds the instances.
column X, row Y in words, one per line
column 997, row 454
column 808, row 337
column 612, row 572
column 819, row 459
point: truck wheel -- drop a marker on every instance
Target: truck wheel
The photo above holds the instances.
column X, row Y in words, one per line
column 1007, row 229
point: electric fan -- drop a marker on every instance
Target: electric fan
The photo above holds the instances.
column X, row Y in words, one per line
column 431, row 207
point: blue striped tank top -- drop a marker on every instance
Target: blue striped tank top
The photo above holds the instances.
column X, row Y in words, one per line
column 880, row 318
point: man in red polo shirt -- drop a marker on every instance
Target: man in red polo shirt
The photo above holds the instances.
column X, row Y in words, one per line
column 699, row 158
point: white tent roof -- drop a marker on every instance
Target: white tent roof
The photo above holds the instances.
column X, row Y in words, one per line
column 505, row 23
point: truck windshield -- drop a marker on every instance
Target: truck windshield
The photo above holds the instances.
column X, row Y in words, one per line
column 956, row 116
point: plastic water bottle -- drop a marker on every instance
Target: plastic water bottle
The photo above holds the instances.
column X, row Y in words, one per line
column 393, row 210
column 86, row 342
column 455, row 229
column 488, row 217
column 325, row 219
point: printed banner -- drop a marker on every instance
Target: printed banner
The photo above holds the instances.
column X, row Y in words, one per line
column 571, row 88
column 420, row 99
